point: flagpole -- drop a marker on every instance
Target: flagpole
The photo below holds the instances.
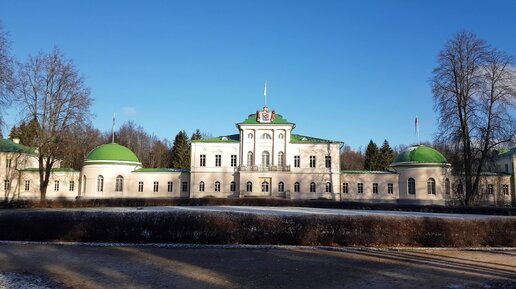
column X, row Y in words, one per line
column 417, row 131
column 265, row 93
column 113, row 129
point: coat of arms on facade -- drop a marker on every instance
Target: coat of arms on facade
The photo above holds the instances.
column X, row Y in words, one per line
column 265, row 116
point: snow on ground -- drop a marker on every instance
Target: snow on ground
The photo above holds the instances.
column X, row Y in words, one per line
column 13, row 280
column 280, row 211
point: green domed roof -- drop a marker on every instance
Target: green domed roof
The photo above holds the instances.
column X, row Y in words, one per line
column 112, row 152
column 420, row 154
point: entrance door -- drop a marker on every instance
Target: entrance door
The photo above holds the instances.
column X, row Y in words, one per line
column 266, row 186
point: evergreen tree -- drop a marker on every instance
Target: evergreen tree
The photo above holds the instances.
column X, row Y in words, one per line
column 180, row 153
column 371, row 156
column 196, row 135
column 385, row 156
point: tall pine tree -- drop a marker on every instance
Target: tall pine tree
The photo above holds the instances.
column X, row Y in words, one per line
column 385, row 156
column 180, row 153
column 371, row 156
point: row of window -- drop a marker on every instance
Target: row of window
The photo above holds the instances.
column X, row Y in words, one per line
column 119, row 185
column 265, row 160
column 265, row 187
column 360, row 188
column 265, row 136
column 26, row 187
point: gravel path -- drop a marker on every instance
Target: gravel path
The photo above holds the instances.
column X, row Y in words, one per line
column 111, row 266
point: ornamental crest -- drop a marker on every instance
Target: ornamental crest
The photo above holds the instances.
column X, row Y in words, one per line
column 265, row 116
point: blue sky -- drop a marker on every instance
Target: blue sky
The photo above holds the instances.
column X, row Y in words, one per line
column 349, row 71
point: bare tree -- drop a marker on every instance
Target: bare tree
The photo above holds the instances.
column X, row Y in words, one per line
column 6, row 73
column 473, row 88
column 51, row 91
column 351, row 159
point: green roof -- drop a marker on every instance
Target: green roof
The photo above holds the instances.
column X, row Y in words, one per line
column 225, row 138
column 359, row 172
column 420, row 154
column 112, row 152
column 7, row 145
column 55, row 170
column 504, row 153
column 297, row 138
column 159, row 170
column 278, row 119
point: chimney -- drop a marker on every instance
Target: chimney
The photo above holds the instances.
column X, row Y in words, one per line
column 16, row 140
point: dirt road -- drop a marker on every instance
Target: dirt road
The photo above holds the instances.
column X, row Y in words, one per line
column 125, row 266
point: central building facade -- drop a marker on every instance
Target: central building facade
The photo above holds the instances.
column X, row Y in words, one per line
column 265, row 159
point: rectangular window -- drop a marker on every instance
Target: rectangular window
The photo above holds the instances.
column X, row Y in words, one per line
column 202, row 161
column 375, row 188
column 345, row 188
column 218, row 161
column 140, row 187
column 490, row 189
column 170, row 187
column 233, row 161
column 360, row 188
column 56, row 186
column 156, row 186
column 505, row 189
column 297, row 161
column 7, row 185
column 184, row 187
column 312, row 161
column 8, row 163
column 27, row 185
column 390, row 189
column 327, row 161
column 72, row 186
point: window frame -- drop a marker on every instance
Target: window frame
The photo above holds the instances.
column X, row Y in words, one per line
column 327, row 161
column 313, row 187
column 411, row 186
column 312, row 162
column 360, row 188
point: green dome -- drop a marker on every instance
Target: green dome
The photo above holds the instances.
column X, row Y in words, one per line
column 420, row 154
column 112, row 152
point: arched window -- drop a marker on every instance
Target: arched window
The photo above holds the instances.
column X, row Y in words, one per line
column 447, row 186
column 201, row 186
column 217, row 186
column 328, row 187
column 119, row 184
column 250, row 158
column 266, row 136
column 297, row 187
column 312, row 187
column 100, row 183
column 281, row 187
column 232, row 186
column 266, row 159
column 281, row 160
column 431, row 186
column 411, row 184
column 265, row 187
column 249, row 187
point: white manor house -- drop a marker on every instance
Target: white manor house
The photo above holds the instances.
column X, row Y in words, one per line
column 265, row 158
